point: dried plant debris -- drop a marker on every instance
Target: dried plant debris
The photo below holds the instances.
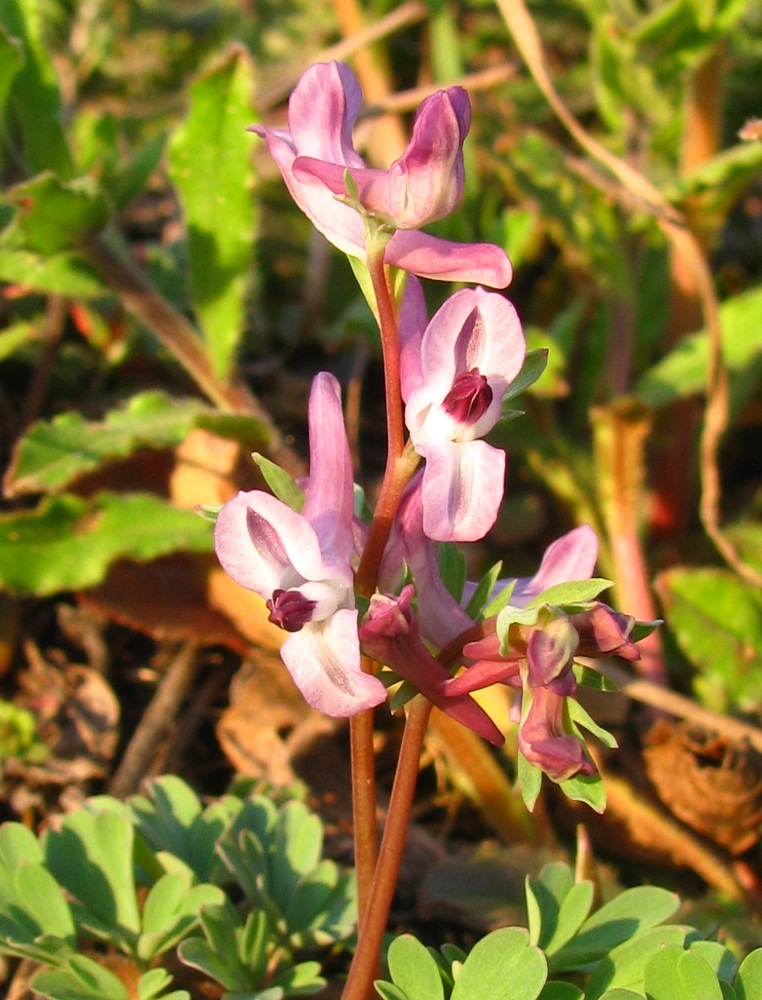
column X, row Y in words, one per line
column 711, row 784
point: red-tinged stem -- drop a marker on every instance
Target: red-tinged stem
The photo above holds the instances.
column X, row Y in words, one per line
column 363, row 800
column 400, row 465
column 387, row 321
column 364, row 966
column 400, row 462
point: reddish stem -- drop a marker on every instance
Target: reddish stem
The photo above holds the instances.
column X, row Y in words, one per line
column 399, row 468
column 364, row 967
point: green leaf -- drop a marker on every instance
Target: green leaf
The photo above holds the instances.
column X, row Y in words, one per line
column 530, row 781
column 66, row 273
column 545, row 896
column 133, row 176
column 44, row 900
column 281, row 484
column 211, row 166
column 562, row 991
column 620, row 994
column 721, row 959
column 35, row 100
column 534, row 365
column 172, row 909
column 624, row 966
column 502, row 966
column 91, row 856
column 683, row 372
column 452, row 568
column 54, row 453
column 388, row 991
column 674, row 974
column 18, row 845
column 587, row 788
column 11, row 61
column 483, row 589
column 624, row 918
column 300, row 980
column 716, row 619
column 500, row 601
column 82, row 979
column 15, row 336
column 171, row 819
column 52, row 215
column 413, row 969
column 748, row 982
column 575, row 909
column 151, row 984
column 217, row 956
column 580, row 717
column 297, row 849
column 574, row 592
column 591, row 678
column 310, row 897
column 68, row 543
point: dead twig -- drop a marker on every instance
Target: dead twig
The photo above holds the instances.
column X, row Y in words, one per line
column 157, row 721
column 683, row 708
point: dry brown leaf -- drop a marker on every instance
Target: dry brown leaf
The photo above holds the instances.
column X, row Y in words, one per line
column 166, row 599
column 268, row 722
column 245, row 609
column 711, row 784
column 205, row 470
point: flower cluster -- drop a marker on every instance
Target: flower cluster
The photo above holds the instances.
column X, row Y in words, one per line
column 454, row 372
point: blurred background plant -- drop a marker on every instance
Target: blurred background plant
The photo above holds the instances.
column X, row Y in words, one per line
column 164, row 305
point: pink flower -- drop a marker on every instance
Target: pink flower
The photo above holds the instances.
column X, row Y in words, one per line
column 300, row 564
column 423, row 185
column 390, row 635
column 571, row 557
column 440, row 616
column 538, row 657
column 455, row 371
column 544, row 741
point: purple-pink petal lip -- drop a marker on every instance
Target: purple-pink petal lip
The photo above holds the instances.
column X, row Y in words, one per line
column 469, row 398
column 290, row 610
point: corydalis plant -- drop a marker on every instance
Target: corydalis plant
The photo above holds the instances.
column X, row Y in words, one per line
column 449, row 377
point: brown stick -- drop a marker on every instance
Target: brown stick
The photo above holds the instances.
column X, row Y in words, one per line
column 156, row 722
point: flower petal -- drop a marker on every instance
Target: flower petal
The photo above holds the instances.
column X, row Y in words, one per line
column 322, row 111
column 413, row 320
column 570, row 557
column 463, row 486
column 445, row 260
column 324, row 661
column 475, row 329
column 390, row 635
column 440, row 616
column 329, row 497
column 544, row 743
column 426, row 182
column 264, row 545
column 340, row 224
